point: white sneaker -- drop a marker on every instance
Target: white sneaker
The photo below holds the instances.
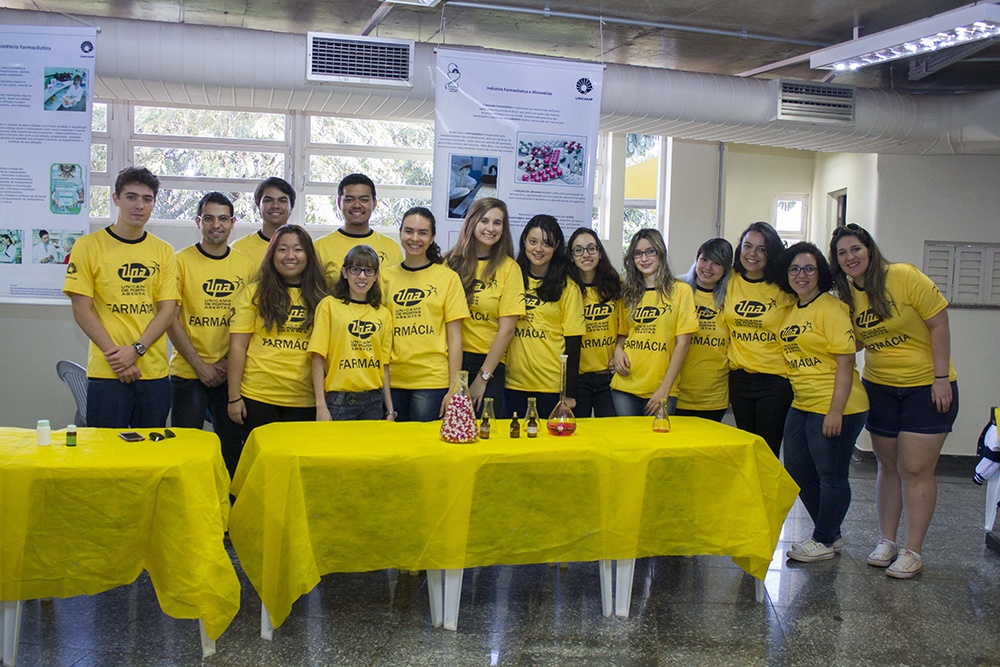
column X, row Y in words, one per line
column 883, row 554
column 838, row 545
column 909, row 564
column 810, row 551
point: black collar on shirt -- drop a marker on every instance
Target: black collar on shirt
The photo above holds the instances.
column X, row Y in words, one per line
column 202, row 251
column 356, row 236
column 419, row 268
column 130, row 241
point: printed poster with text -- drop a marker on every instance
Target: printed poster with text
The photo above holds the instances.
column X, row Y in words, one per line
column 46, row 85
column 517, row 128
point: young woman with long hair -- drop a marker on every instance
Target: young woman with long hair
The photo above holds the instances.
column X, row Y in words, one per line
column 602, row 289
column 351, row 344
column 754, row 309
column 901, row 319
column 655, row 330
column 483, row 257
column 829, row 405
column 702, row 390
column 428, row 307
column 269, row 368
column 552, row 325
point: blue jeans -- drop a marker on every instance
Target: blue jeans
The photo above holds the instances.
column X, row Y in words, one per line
column 140, row 404
column 593, row 394
column 628, row 405
column 355, row 405
column 417, row 405
column 191, row 399
column 517, row 401
column 820, row 466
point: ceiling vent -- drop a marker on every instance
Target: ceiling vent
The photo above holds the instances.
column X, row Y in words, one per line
column 367, row 60
column 810, row 102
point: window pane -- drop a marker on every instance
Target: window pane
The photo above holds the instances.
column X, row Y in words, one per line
column 641, row 147
column 371, row 132
column 322, row 210
column 100, row 201
column 98, row 157
column 183, row 205
column 210, row 163
column 788, row 215
column 636, row 219
column 332, row 168
column 99, row 119
column 208, row 123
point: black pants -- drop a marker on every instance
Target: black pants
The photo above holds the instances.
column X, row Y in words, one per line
column 191, row 398
column 714, row 415
column 259, row 414
column 760, row 404
column 473, row 362
column 593, row 394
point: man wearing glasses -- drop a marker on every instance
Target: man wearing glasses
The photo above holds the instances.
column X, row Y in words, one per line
column 210, row 275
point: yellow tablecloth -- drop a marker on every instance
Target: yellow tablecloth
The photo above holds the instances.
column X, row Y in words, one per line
column 87, row 519
column 315, row 498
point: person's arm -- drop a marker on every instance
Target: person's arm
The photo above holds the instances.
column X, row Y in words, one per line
column 125, row 356
column 90, row 323
column 572, row 344
column 619, row 360
column 505, row 333
column 238, row 345
column 681, row 345
column 834, row 419
column 319, row 387
column 941, row 351
column 210, row 375
column 453, row 332
column 390, row 412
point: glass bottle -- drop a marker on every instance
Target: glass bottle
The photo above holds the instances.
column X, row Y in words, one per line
column 562, row 421
column 489, row 418
column 515, row 427
column 661, row 420
column 531, row 418
column 459, row 423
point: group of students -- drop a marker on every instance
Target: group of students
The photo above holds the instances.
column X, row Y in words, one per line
column 357, row 326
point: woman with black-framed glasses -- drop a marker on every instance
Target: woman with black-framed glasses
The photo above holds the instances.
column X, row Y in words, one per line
column 901, row 319
column 601, row 287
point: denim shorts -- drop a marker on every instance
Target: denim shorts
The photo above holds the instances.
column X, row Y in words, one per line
column 910, row 409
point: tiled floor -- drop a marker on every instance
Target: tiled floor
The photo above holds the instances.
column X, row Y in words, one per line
column 685, row 611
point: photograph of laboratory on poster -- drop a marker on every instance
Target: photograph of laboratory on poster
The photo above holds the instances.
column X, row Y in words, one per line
column 66, row 189
column 10, row 246
column 472, row 177
column 52, row 247
column 65, row 89
column 550, row 159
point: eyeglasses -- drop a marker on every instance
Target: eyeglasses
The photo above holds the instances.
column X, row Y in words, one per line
column 648, row 252
column 167, row 433
column 209, row 219
column 367, row 271
column 580, row 251
column 809, row 270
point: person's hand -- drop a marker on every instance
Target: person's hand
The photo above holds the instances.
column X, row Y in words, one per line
column 476, row 390
column 211, row 375
column 129, row 375
column 390, row 416
column 444, row 405
column 237, row 411
column 620, row 363
column 571, row 403
column 653, row 404
column 941, row 394
column 121, row 357
column 323, row 413
column 832, row 424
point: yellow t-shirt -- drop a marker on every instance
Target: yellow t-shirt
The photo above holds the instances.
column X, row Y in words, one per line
column 278, row 369
column 754, row 312
column 501, row 297
column 703, row 383
column 334, row 246
column 355, row 340
column 601, row 319
column 811, row 336
column 651, row 330
column 540, row 337
column 253, row 246
column 209, row 286
column 898, row 350
column 422, row 301
column 125, row 279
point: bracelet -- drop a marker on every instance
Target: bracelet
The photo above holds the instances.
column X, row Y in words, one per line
column 236, row 400
column 391, row 413
column 940, row 377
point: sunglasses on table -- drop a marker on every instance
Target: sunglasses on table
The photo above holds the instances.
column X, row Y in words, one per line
column 167, row 433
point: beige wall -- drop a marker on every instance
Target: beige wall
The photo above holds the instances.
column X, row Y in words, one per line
column 694, row 188
column 754, row 174
column 854, row 172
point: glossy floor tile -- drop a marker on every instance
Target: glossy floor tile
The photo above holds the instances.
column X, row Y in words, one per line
column 685, row 611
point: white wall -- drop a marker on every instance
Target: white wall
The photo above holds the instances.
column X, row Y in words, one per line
column 855, row 172
column 694, row 188
column 954, row 198
column 754, row 174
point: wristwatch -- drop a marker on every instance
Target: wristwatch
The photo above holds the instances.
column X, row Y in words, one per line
column 140, row 349
column 484, row 375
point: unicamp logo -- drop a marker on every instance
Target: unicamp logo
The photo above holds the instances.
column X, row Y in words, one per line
column 750, row 308
column 135, row 273
column 584, row 85
column 646, row 314
column 411, row 296
column 362, row 329
column 867, row 319
column 595, row 312
column 218, row 287
column 296, row 315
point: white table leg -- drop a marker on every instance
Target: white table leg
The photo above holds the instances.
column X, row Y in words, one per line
column 435, row 591
column 11, row 613
column 992, row 497
column 207, row 643
column 452, row 597
column 604, row 569
column 266, row 627
column 758, row 589
column 623, row 586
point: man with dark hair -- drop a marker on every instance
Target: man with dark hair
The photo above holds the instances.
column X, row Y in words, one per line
column 275, row 199
column 122, row 282
column 44, row 252
column 356, row 201
column 211, row 275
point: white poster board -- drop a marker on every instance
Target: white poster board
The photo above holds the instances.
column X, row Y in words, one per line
column 46, row 99
column 518, row 128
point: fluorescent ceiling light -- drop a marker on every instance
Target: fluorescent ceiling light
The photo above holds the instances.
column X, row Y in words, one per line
column 417, row 3
column 941, row 31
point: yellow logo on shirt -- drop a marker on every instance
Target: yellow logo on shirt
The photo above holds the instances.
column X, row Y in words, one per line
column 790, row 333
column 134, row 272
column 594, row 312
column 218, row 287
column 531, row 302
column 867, row 319
column 362, row 329
column 706, row 313
column 411, row 296
column 647, row 314
column 296, row 315
column 747, row 308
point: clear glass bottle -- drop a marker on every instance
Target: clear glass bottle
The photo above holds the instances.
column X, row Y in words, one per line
column 459, row 423
column 562, row 421
column 488, row 420
column 531, row 418
column 661, row 420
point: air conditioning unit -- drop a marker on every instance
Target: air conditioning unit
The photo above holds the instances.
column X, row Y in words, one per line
column 813, row 102
column 366, row 60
